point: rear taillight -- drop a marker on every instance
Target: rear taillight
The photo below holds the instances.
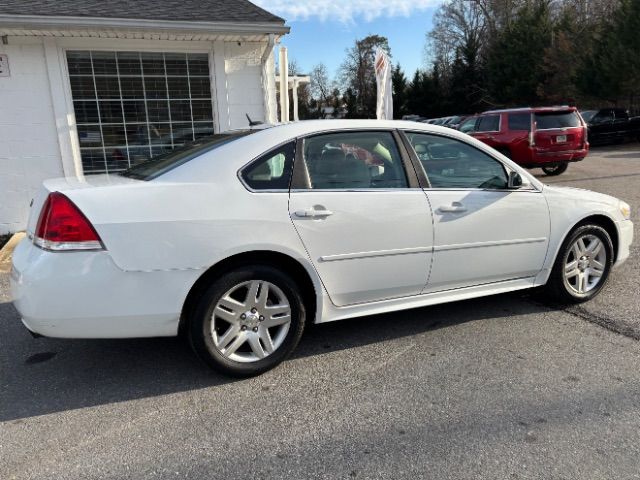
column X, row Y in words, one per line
column 63, row 227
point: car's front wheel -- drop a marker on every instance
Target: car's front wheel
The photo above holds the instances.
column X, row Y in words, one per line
column 582, row 266
column 248, row 321
column 555, row 169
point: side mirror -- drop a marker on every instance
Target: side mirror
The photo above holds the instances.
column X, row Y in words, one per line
column 515, row 180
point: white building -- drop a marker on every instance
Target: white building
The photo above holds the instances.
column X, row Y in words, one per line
column 91, row 86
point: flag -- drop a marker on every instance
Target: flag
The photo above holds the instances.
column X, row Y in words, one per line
column 384, row 107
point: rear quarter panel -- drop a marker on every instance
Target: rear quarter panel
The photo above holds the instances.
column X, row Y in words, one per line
column 161, row 225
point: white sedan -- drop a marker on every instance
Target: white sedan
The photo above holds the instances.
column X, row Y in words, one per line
column 242, row 239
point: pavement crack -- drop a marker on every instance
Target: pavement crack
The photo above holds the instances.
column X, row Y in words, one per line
column 616, row 326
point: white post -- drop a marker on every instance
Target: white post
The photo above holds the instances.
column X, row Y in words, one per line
column 295, row 100
column 284, row 85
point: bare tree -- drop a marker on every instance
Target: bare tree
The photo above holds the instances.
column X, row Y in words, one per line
column 357, row 73
column 320, row 83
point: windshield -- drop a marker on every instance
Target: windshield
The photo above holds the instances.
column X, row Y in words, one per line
column 588, row 115
column 550, row 120
column 154, row 167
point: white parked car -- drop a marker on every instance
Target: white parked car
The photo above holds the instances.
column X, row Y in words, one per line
column 242, row 239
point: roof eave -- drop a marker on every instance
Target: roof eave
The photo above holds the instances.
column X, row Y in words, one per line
column 37, row 22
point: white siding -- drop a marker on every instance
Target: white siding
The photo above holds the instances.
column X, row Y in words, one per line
column 245, row 95
column 31, row 142
column 29, row 151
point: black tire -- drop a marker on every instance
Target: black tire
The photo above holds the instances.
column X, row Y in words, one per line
column 557, row 289
column 556, row 169
column 200, row 323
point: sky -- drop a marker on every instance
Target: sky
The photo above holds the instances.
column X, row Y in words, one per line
column 321, row 30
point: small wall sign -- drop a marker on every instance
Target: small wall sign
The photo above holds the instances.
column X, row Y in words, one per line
column 4, row 65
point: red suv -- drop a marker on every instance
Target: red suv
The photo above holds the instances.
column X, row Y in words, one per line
column 547, row 138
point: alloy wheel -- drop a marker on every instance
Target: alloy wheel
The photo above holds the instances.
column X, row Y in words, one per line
column 584, row 264
column 250, row 321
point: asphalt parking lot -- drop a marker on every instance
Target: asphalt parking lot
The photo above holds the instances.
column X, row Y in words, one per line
column 500, row 387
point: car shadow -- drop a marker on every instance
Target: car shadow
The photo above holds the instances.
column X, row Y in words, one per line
column 44, row 375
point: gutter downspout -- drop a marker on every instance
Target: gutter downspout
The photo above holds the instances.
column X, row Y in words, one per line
column 268, row 114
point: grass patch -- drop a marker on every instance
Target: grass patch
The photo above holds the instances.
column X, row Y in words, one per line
column 4, row 239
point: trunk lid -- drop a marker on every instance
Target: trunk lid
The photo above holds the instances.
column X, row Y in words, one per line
column 65, row 185
column 559, row 131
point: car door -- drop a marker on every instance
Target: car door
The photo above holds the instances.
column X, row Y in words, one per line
column 484, row 232
column 620, row 126
column 361, row 215
column 488, row 129
column 601, row 125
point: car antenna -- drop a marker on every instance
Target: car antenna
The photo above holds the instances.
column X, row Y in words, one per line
column 253, row 123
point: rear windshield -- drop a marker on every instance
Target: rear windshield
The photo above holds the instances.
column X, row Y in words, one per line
column 154, row 167
column 550, row 120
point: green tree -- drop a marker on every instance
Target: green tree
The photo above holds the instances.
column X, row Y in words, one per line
column 612, row 72
column 515, row 59
column 399, row 85
column 423, row 97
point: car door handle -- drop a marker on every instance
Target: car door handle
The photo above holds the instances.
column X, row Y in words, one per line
column 455, row 207
column 313, row 213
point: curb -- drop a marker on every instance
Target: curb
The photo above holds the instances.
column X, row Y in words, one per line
column 7, row 251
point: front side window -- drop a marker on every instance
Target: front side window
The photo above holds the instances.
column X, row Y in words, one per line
column 272, row 171
column 587, row 115
column 353, row 160
column 450, row 163
column 468, row 125
column 133, row 106
column 489, row 123
column 604, row 116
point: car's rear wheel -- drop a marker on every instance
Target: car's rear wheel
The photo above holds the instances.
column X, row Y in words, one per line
column 555, row 169
column 582, row 266
column 248, row 321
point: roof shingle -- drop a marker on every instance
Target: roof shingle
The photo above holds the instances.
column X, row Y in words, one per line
column 241, row 11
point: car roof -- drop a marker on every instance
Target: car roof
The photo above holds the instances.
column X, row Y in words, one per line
column 558, row 108
column 247, row 148
column 307, row 127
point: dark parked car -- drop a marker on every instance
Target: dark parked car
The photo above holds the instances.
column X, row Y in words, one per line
column 546, row 137
column 609, row 125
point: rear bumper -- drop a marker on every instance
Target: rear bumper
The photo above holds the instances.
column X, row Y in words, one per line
column 625, row 239
column 85, row 295
column 543, row 158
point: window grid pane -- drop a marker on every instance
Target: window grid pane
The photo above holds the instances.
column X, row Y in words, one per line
column 132, row 106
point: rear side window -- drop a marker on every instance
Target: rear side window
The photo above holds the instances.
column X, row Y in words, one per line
column 272, row 171
column 489, row 123
column 620, row 113
column 520, row 121
column 545, row 121
column 353, row 160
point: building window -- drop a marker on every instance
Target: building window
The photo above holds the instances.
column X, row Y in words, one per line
column 132, row 106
